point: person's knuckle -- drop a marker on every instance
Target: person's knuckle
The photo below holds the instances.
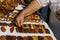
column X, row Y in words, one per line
column 17, row 18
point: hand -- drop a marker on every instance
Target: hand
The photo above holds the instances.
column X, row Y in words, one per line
column 20, row 20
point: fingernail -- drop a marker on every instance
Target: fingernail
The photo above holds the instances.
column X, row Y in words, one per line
column 19, row 25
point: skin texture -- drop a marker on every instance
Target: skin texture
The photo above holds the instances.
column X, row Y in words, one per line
column 31, row 8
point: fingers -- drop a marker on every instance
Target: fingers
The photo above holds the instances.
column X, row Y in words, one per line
column 19, row 21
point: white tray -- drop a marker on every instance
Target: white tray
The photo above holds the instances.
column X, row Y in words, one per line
column 28, row 34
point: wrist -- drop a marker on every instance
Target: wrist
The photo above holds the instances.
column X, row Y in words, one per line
column 22, row 14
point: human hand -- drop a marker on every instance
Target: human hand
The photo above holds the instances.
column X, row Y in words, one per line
column 20, row 20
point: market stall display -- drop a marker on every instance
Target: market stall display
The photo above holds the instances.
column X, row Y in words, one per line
column 33, row 27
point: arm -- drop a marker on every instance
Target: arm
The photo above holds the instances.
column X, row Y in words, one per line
column 31, row 8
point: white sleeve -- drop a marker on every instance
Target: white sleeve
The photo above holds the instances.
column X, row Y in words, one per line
column 43, row 3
